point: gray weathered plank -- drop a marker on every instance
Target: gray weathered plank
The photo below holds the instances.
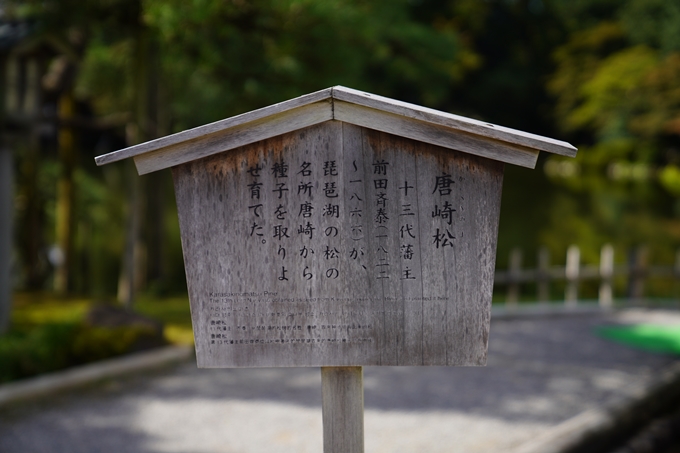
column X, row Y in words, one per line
column 232, row 138
column 342, row 390
column 478, row 194
column 326, row 283
column 253, row 116
column 438, row 280
column 408, row 249
column 434, row 134
column 361, row 286
column 454, row 122
column 364, row 109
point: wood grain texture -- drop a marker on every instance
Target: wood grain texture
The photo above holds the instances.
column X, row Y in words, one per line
column 372, row 249
column 342, row 390
column 233, row 137
column 361, row 284
column 216, row 127
column 434, row 134
column 340, row 103
column 454, row 122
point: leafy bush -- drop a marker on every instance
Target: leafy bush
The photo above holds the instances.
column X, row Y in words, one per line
column 97, row 343
column 46, row 348
column 55, row 346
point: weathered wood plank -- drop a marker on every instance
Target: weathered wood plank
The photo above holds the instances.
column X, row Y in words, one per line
column 218, row 126
column 455, row 122
column 344, row 104
column 606, row 298
column 434, row 134
column 362, row 287
column 342, row 390
column 477, row 194
column 380, row 206
column 233, row 137
column 408, row 250
column 435, row 243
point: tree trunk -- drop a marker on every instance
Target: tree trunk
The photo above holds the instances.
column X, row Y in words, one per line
column 133, row 270
column 129, row 280
column 65, row 221
column 6, row 209
column 21, row 98
column 159, row 186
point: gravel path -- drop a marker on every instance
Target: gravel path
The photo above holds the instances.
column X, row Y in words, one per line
column 541, row 372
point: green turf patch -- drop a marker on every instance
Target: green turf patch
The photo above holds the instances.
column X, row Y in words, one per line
column 649, row 337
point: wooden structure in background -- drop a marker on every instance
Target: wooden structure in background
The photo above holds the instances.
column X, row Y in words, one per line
column 635, row 271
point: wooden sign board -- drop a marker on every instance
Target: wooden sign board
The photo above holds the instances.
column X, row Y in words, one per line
column 339, row 245
column 340, row 229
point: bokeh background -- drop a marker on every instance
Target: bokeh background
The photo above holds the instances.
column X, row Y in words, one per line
column 83, row 78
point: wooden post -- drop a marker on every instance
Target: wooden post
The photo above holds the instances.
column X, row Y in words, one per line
column 514, row 276
column 342, row 391
column 572, row 275
column 637, row 271
column 65, row 209
column 128, row 282
column 12, row 85
column 676, row 271
column 543, row 276
column 606, row 298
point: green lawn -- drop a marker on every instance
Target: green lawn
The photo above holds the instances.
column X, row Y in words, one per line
column 649, row 337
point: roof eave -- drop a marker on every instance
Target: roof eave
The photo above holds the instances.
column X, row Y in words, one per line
column 348, row 105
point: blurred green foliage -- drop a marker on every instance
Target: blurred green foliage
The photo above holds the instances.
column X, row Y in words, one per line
column 173, row 312
column 602, row 74
column 617, row 93
column 55, row 346
column 32, row 310
column 49, row 334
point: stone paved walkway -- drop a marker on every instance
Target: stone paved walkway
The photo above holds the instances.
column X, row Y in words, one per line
column 541, row 372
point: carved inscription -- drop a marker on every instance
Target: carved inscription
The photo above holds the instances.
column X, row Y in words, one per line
column 301, row 223
column 247, row 319
column 336, row 245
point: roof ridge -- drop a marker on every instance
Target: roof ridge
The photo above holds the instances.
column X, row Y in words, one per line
column 351, row 106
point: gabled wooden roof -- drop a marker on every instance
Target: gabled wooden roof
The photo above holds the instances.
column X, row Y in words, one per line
column 350, row 106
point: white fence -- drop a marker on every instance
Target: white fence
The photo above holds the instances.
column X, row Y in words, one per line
column 636, row 271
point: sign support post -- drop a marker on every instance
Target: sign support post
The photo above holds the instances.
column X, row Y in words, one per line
column 342, row 391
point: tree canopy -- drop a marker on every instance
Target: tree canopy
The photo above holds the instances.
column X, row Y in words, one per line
column 617, row 91
column 602, row 74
